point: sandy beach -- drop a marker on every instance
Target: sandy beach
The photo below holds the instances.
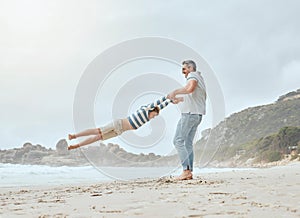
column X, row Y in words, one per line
column 268, row 192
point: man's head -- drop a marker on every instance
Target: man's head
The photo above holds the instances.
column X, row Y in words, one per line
column 188, row 66
column 153, row 113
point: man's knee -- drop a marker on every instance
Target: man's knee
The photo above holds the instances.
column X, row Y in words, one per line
column 178, row 141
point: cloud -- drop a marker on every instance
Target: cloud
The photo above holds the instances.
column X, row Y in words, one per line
column 45, row 46
column 290, row 75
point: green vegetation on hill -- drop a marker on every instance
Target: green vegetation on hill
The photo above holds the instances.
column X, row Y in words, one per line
column 273, row 147
column 265, row 149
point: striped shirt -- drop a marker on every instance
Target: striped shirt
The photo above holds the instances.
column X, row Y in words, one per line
column 140, row 117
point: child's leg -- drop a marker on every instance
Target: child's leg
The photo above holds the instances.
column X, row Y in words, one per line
column 111, row 130
column 85, row 133
column 86, row 142
column 90, row 140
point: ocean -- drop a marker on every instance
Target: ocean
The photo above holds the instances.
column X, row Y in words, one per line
column 13, row 175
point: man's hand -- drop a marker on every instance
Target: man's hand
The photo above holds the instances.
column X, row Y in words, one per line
column 171, row 96
column 177, row 100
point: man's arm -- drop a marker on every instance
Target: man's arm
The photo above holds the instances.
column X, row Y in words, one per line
column 189, row 88
column 163, row 102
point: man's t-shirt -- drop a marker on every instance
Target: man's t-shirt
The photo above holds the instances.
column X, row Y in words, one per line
column 195, row 102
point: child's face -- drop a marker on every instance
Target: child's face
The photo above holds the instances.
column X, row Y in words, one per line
column 152, row 115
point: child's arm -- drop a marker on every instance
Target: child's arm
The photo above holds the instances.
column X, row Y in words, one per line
column 158, row 102
column 163, row 102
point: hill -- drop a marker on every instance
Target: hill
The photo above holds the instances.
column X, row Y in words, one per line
column 246, row 126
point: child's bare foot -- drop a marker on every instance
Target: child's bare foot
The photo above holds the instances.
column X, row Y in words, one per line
column 73, row 147
column 72, row 136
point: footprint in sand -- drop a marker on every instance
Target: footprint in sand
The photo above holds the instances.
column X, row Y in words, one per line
column 195, row 215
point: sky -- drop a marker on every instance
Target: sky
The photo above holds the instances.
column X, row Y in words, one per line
column 45, row 47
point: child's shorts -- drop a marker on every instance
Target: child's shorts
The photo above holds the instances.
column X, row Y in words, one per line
column 112, row 129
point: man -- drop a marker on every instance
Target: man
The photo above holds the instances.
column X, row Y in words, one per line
column 118, row 126
column 192, row 109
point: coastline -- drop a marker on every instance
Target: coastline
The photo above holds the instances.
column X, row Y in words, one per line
column 248, row 193
column 15, row 175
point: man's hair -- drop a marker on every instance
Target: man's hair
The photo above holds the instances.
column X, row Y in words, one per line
column 190, row 63
column 155, row 109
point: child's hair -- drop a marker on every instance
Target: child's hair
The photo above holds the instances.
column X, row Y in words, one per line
column 155, row 109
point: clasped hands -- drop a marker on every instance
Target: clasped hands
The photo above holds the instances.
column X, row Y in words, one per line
column 175, row 100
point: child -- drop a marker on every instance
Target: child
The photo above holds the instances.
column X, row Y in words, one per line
column 118, row 126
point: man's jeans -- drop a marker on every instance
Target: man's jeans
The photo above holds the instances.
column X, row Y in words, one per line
column 184, row 136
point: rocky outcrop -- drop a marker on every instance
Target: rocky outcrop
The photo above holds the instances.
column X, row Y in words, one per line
column 62, row 147
column 102, row 155
column 290, row 96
